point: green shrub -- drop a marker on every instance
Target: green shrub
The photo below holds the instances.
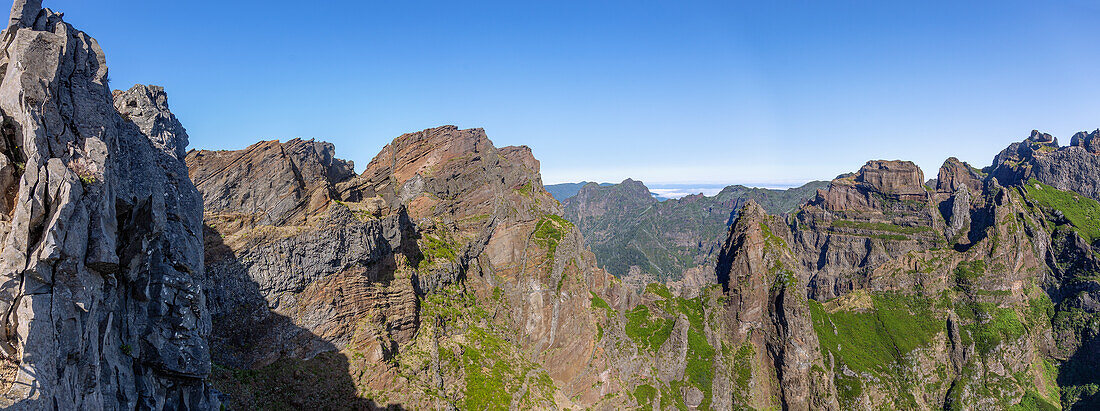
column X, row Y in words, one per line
column 645, row 394
column 700, row 357
column 648, row 332
column 549, row 232
column 1033, row 402
column 1082, row 212
column 877, row 341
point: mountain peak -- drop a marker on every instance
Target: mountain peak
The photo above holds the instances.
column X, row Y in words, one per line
column 892, row 177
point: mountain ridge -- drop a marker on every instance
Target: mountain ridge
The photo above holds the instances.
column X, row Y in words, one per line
column 138, row 275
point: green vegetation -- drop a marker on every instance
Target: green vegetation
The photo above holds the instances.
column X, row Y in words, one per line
column 645, row 394
column 700, row 359
column 742, row 370
column 772, row 241
column 663, row 238
column 1033, row 402
column 658, row 289
column 598, row 302
column 549, row 232
column 1075, row 393
column 649, row 332
column 876, row 341
column 783, row 277
column 492, row 368
column 989, row 325
column 526, row 190
column 1040, row 309
column 1073, row 321
column 435, row 248
column 485, row 389
column 967, row 272
column 1082, row 212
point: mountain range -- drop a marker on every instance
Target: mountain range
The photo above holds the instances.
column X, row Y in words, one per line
column 138, row 274
column 634, row 234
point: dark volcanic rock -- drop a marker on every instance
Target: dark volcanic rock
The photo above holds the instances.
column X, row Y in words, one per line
column 102, row 264
column 1088, row 141
column 1075, row 168
column 768, row 310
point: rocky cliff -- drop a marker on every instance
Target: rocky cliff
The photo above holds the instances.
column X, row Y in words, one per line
column 442, row 276
column 967, row 295
column 101, row 260
column 137, row 275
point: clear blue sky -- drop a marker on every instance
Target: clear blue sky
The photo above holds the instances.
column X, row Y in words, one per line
column 674, row 92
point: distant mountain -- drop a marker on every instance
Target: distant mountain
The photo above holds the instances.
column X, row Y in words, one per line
column 563, row 191
column 631, row 231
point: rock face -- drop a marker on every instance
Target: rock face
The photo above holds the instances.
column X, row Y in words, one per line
column 954, row 174
column 980, row 292
column 1075, row 168
column 769, row 317
column 634, row 235
column 101, row 248
column 391, row 274
column 273, row 183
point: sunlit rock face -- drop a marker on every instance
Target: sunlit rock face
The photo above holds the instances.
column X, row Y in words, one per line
column 101, row 263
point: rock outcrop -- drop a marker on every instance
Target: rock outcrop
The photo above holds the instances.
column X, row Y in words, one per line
column 969, row 295
column 270, row 182
column 393, row 270
column 101, row 241
column 1075, row 167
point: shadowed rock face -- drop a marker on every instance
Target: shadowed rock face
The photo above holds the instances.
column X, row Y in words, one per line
column 100, row 239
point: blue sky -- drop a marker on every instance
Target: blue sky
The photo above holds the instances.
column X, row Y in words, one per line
column 759, row 93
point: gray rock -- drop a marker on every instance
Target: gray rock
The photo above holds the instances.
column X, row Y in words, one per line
column 959, row 222
column 147, row 107
column 101, row 272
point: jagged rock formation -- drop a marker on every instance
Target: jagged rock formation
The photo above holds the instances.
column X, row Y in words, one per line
column 445, row 277
column 1075, row 167
column 397, row 271
column 634, row 235
column 273, row 183
column 100, row 240
column 969, row 295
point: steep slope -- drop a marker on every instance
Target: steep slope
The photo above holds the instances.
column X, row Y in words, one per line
column 632, row 233
column 441, row 276
column 1075, row 167
column 967, row 295
column 100, row 235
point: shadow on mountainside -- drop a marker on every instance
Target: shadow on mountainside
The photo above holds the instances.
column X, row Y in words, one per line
column 263, row 360
column 1078, row 377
